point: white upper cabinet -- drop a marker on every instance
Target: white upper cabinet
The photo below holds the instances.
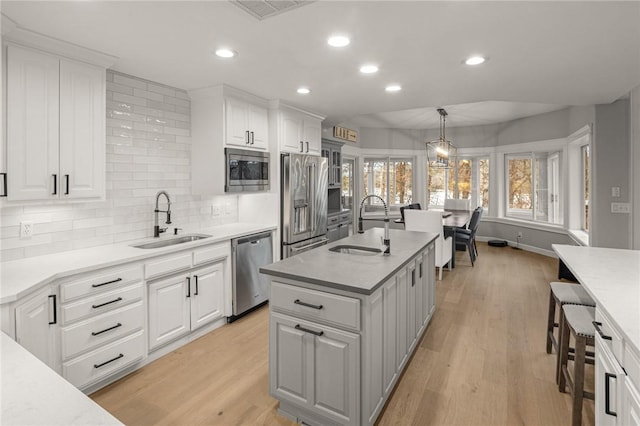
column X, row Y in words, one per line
column 55, row 138
column 246, row 124
column 296, row 130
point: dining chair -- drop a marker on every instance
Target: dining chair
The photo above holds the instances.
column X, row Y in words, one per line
column 431, row 221
column 468, row 236
column 415, row 206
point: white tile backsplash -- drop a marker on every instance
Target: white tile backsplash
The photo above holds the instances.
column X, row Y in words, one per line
column 148, row 145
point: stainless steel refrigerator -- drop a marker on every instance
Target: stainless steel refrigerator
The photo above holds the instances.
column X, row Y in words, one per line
column 303, row 203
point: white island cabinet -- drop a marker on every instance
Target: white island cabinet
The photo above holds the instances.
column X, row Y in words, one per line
column 612, row 278
column 343, row 326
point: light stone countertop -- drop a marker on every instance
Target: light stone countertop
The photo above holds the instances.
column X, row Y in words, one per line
column 18, row 278
column 612, row 278
column 33, row 394
column 348, row 272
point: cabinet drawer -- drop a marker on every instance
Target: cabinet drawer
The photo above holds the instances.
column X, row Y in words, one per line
column 167, row 264
column 109, row 326
column 332, row 220
column 330, row 308
column 210, row 253
column 616, row 343
column 101, row 303
column 98, row 282
column 344, row 217
column 632, row 365
column 103, row 362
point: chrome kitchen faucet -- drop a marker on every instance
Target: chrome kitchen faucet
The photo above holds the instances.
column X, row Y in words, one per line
column 387, row 240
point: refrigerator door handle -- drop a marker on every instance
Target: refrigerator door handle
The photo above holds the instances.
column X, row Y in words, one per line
column 307, row 247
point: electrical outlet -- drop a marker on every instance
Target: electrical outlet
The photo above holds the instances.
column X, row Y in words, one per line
column 227, row 208
column 26, row 230
column 519, row 234
column 620, row 207
column 615, row 191
column 215, row 210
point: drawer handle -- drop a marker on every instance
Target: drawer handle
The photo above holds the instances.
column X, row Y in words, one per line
column 108, row 282
column 597, row 327
column 196, row 278
column 106, row 303
column 308, row 305
column 55, row 315
column 306, row 330
column 95, row 333
column 607, row 407
column 107, row 362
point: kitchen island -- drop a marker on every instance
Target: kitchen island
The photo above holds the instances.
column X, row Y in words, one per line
column 612, row 278
column 345, row 321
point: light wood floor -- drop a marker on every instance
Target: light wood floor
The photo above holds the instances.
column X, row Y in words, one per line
column 482, row 361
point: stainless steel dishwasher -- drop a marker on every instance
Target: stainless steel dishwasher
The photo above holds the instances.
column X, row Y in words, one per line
column 250, row 287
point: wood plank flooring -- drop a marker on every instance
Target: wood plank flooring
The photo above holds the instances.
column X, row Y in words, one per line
column 482, row 361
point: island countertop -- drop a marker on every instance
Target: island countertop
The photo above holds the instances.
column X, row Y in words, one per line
column 349, row 272
column 612, row 278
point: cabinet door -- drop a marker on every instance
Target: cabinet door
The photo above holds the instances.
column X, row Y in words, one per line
column 258, row 126
column 169, row 303
column 82, row 130
column 312, row 135
column 419, row 295
column 390, row 333
column 291, row 134
column 412, row 277
column 236, row 122
column 32, row 125
column 402, row 316
column 428, row 259
column 609, row 379
column 631, row 404
column 207, row 295
column 36, row 326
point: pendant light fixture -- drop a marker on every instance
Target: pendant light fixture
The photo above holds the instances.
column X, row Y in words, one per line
column 441, row 153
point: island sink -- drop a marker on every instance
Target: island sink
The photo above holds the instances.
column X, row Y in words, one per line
column 172, row 241
column 357, row 250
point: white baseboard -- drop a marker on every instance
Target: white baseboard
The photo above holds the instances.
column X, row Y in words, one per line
column 533, row 249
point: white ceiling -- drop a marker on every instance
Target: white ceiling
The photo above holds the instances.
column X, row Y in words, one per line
column 543, row 55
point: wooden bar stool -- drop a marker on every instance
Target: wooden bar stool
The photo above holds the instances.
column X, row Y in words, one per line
column 561, row 294
column 577, row 322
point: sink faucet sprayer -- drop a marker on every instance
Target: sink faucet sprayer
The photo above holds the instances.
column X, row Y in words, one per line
column 156, row 228
column 386, row 241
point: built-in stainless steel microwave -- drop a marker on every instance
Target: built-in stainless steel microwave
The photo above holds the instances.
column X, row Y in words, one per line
column 246, row 171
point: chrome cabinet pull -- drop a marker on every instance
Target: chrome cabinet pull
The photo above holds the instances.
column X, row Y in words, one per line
column 107, row 362
column 96, row 333
column 308, row 305
column 55, row 315
column 106, row 303
column 607, row 407
column 597, row 325
column 306, row 330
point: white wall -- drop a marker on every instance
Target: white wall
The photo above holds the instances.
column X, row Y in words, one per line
column 635, row 167
column 148, row 149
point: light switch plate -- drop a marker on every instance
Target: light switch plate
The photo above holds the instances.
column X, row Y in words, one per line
column 615, row 191
column 620, row 208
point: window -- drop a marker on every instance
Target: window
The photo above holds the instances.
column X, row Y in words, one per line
column 348, row 166
column 586, row 177
column 389, row 178
column 533, row 186
column 468, row 179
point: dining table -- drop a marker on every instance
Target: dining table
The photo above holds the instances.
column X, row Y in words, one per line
column 451, row 221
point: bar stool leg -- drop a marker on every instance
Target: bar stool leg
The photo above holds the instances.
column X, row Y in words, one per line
column 578, row 381
column 551, row 321
column 563, row 354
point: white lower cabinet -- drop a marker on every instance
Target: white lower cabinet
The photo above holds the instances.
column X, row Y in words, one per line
column 316, row 367
column 184, row 302
column 331, row 369
column 631, row 402
column 36, row 326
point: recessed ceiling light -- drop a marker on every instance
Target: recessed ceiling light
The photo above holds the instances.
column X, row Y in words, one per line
column 338, row 41
column 369, row 69
column 304, row 90
column 393, row 88
column 226, row 53
column 475, row 60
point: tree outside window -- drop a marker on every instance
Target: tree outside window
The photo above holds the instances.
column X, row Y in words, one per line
column 389, row 178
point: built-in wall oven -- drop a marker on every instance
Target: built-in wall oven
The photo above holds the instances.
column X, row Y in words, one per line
column 246, row 171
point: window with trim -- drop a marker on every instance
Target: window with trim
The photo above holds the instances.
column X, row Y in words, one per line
column 467, row 179
column 389, row 178
column 533, row 186
column 586, row 179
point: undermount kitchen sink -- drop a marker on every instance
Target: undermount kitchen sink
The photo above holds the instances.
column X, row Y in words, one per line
column 172, row 241
column 357, row 250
